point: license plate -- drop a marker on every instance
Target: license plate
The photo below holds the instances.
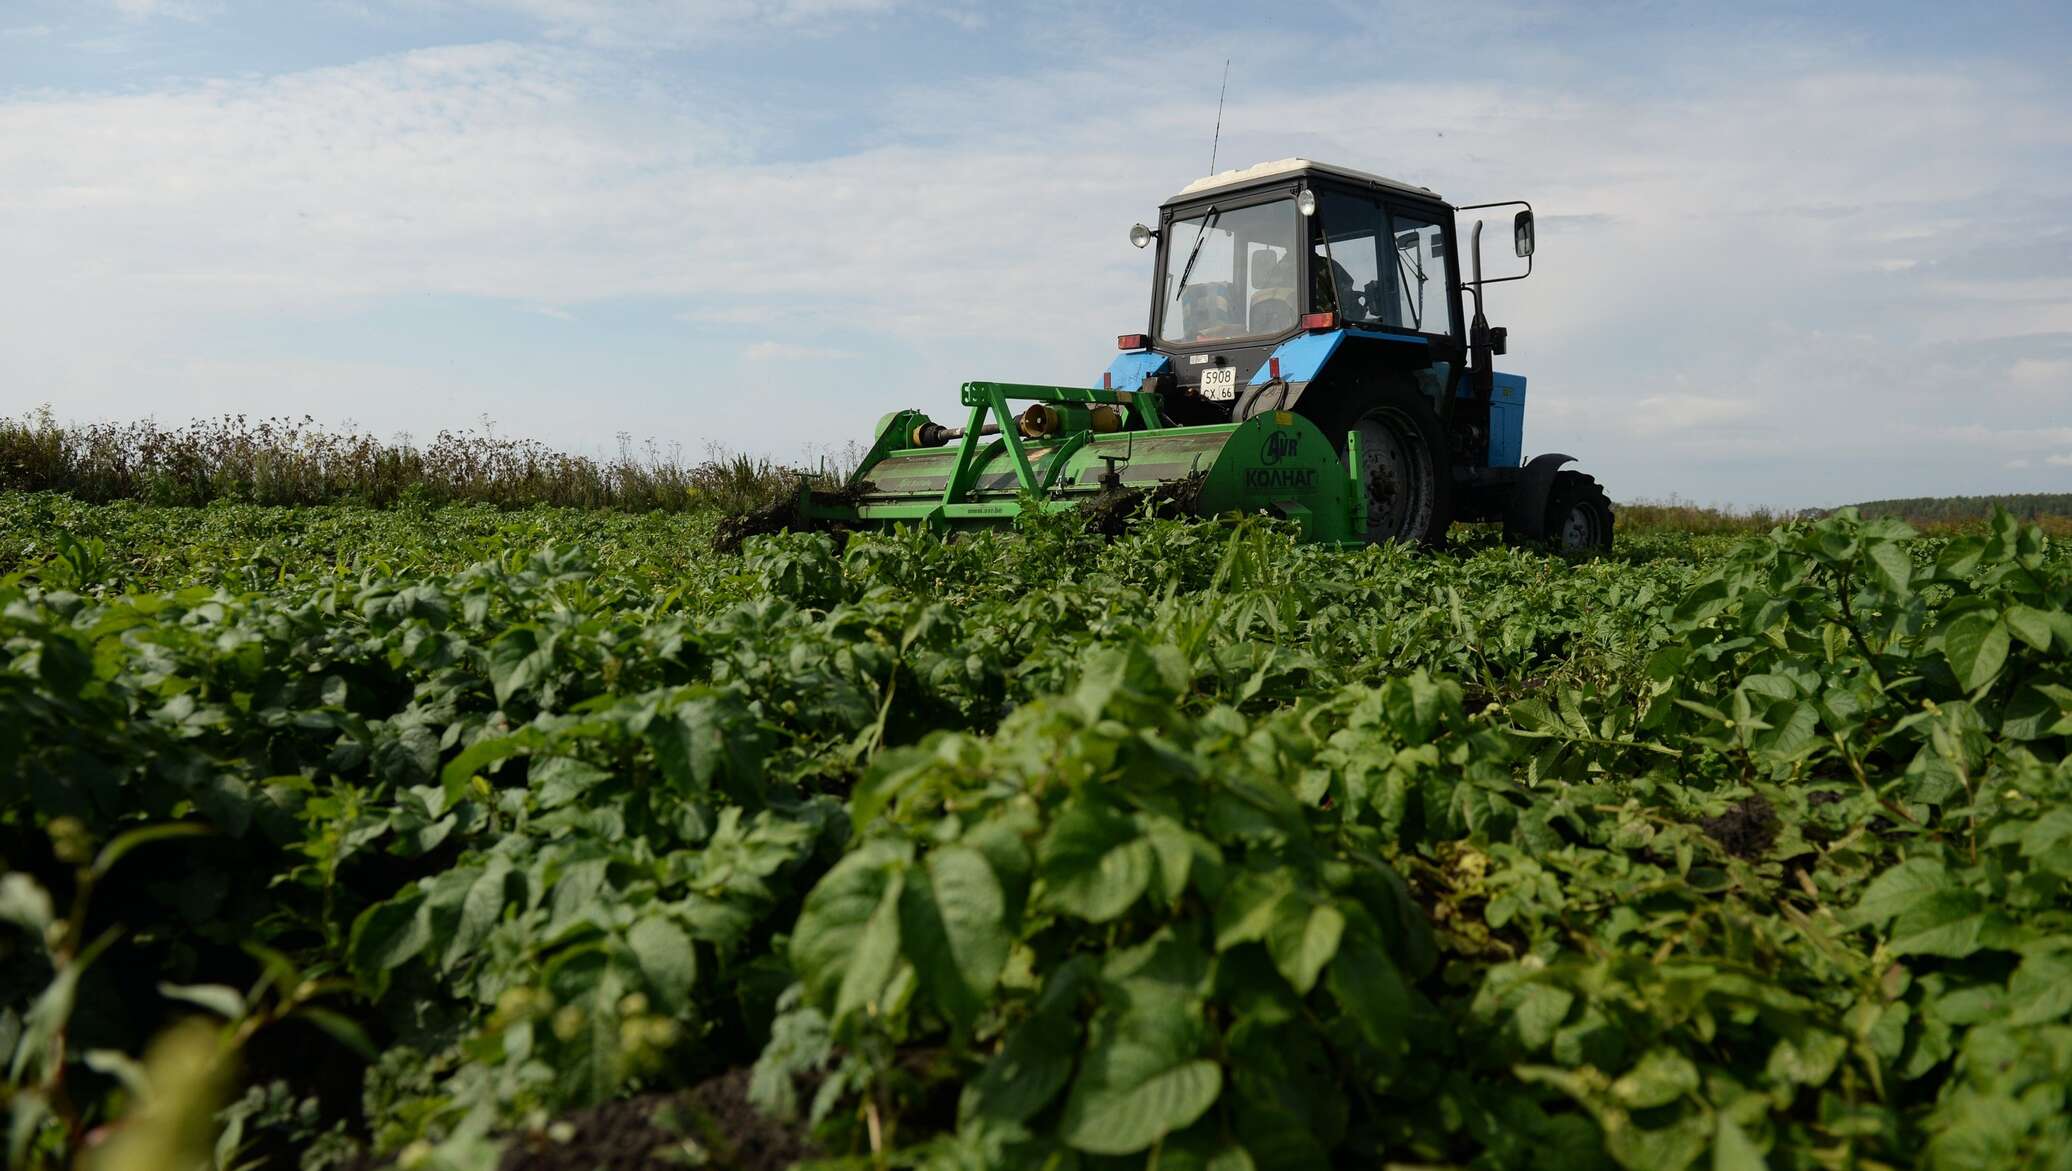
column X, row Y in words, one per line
column 1219, row 384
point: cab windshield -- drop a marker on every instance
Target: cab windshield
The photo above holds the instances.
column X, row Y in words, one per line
column 1230, row 274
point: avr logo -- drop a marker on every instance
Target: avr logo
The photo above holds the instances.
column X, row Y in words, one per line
column 1279, row 445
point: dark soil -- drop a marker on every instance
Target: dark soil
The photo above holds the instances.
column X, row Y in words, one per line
column 1111, row 512
column 714, row 1121
column 774, row 517
column 783, row 515
column 710, row 1125
column 1746, row 830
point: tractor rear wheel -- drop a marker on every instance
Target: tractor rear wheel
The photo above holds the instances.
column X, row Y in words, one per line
column 1579, row 516
column 1403, row 467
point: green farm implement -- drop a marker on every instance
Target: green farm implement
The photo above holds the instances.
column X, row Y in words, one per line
column 1074, row 445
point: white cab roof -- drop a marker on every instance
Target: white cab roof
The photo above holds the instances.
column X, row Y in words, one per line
column 1281, row 167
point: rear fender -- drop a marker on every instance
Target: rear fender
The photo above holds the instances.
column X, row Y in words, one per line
column 1525, row 515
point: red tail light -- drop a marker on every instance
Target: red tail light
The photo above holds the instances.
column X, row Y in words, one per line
column 1133, row 341
column 1326, row 320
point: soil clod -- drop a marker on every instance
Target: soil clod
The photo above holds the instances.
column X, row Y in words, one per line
column 1746, row 830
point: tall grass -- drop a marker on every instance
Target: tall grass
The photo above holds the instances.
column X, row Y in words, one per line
column 1676, row 515
column 297, row 461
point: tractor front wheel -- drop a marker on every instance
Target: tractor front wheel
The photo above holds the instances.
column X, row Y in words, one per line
column 1579, row 516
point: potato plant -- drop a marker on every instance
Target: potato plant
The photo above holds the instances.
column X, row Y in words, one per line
column 336, row 837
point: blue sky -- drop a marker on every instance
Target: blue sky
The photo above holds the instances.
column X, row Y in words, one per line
column 1791, row 254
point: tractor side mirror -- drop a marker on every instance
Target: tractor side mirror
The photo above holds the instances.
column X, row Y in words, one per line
column 1521, row 233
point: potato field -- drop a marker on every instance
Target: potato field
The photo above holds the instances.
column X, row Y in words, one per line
column 456, row 838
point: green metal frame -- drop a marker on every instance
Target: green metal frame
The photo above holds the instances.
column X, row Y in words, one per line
column 976, row 452
column 1140, row 411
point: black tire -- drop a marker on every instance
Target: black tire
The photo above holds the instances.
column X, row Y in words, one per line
column 1579, row 516
column 1406, row 475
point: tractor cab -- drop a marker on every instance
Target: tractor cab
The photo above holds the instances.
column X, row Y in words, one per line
column 1249, row 259
column 1339, row 295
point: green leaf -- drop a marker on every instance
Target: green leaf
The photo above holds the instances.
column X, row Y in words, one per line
column 1900, row 888
column 1946, row 923
column 588, row 987
column 1036, row 1059
column 30, row 1111
column 454, row 777
column 1975, row 643
column 1140, row 1080
column 1733, row 1150
column 1367, row 986
column 123, row 1068
column 1174, row 852
column 1891, row 566
column 118, row 849
column 386, row 936
column 224, row 1001
column 516, row 660
column 876, row 956
column 2029, row 624
column 668, row 966
column 1247, row 910
column 1808, row 1056
column 1302, row 943
column 479, row 911
column 2040, row 991
column 46, row 1018
column 2030, row 715
column 343, row 1029
column 951, row 928
column 24, row 904
column 843, row 906
column 1661, row 1077
column 1094, row 863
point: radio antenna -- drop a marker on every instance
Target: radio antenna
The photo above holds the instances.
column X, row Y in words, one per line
column 1218, row 139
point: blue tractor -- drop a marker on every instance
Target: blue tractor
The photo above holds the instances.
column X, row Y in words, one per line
column 1309, row 355
column 1298, row 287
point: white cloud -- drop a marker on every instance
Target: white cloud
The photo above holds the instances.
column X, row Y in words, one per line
column 2041, row 373
column 1660, row 413
column 1712, row 247
column 2006, row 438
column 187, row 10
column 772, row 351
column 2061, row 460
column 641, row 24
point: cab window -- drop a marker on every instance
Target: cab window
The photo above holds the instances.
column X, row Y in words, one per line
column 1350, row 277
column 1422, row 298
column 1230, row 273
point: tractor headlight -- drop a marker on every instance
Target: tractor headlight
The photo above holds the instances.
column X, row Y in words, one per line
column 1306, row 202
column 1141, row 235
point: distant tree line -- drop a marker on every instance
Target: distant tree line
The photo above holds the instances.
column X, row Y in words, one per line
column 2023, row 506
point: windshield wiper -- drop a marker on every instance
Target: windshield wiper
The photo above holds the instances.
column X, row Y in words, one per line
column 1208, row 221
column 1417, row 310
